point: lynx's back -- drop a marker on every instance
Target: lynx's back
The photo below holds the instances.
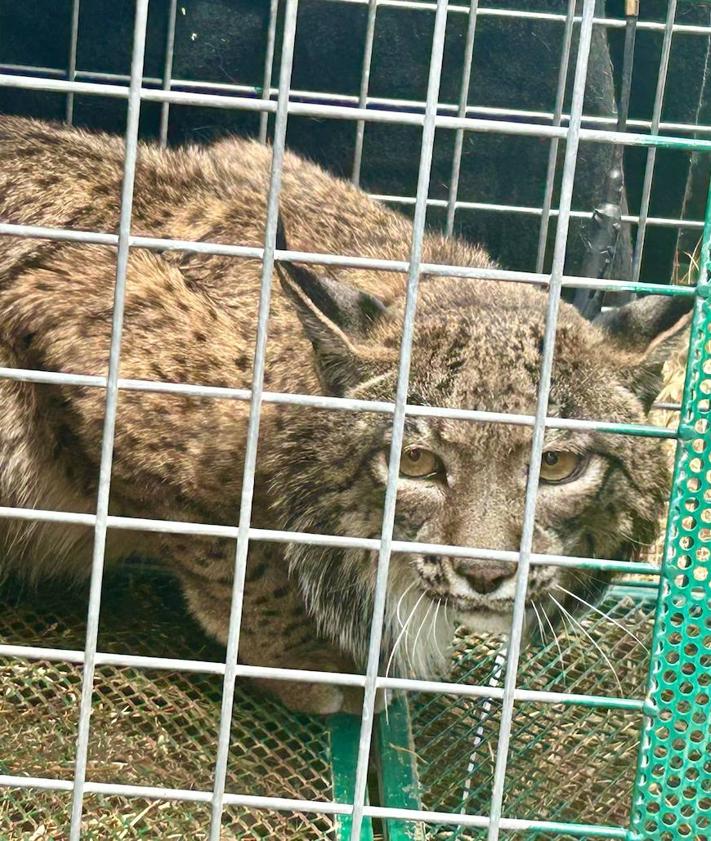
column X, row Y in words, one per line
column 190, row 317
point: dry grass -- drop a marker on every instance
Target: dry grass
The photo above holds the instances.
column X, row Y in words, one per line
column 159, row 728
column 567, row 763
column 153, row 728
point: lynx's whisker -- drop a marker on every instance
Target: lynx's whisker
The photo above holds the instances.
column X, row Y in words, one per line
column 433, row 626
column 447, row 617
column 540, row 623
column 604, row 616
column 412, row 650
column 626, row 536
column 399, row 602
column 574, row 622
column 403, row 630
column 563, row 667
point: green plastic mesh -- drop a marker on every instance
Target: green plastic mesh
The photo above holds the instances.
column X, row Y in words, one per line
column 673, row 796
column 148, row 727
column 567, row 763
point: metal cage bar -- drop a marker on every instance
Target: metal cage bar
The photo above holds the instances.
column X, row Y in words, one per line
column 434, row 687
column 204, row 247
column 643, row 219
column 523, row 210
column 554, row 298
column 363, row 94
column 398, row 424
column 522, row 14
column 546, row 209
column 309, row 538
column 168, row 71
column 337, row 112
column 324, row 807
column 72, row 61
column 250, row 453
column 384, row 102
column 461, row 112
column 338, row 403
column 107, row 437
column 268, row 67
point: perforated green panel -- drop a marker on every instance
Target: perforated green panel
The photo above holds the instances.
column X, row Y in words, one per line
column 673, row 791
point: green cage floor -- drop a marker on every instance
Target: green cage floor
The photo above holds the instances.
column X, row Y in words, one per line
column 159, row 728
column 567, row 763
column 148, row 727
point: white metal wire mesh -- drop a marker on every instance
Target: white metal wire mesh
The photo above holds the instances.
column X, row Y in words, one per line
column 557, row 127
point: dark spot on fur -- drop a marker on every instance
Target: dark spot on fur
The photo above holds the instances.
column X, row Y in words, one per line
column 104, row 189
column 292, row 627
column 256, row 572
column 303, row 640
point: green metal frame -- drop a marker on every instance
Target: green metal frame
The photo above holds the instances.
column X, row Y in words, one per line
column 397, row 767
column 672, row 797
column 344, row 733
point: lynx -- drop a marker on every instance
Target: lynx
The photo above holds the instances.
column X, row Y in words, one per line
column 191, row 318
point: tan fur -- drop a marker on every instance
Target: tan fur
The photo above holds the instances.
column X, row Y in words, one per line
column 190, row 318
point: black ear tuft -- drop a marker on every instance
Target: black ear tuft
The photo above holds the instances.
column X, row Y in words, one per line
column 636, row 325
column 650, row 327
column 350, row 309
column 335, row 317
column 281, row 245
column 281, row 234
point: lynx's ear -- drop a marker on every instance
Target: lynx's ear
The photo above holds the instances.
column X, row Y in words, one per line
column 651, row 327
column 336, row 319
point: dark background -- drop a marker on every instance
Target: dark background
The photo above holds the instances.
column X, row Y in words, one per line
column 515, row 67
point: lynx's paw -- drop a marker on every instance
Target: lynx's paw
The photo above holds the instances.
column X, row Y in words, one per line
column 311, row 698
column 353, row 701
column 321, row 698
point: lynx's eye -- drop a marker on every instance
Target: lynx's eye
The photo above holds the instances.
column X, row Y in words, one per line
column 558, row 466
column 416, row 463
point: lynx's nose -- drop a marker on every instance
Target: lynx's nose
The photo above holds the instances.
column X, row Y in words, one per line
column 485, row 577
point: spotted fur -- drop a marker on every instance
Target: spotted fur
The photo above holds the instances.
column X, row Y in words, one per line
column 191, row 318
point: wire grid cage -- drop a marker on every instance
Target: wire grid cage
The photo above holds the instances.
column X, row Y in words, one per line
column 568, row 764
column 152, row 728
column 157, row 728
column 474, row 777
